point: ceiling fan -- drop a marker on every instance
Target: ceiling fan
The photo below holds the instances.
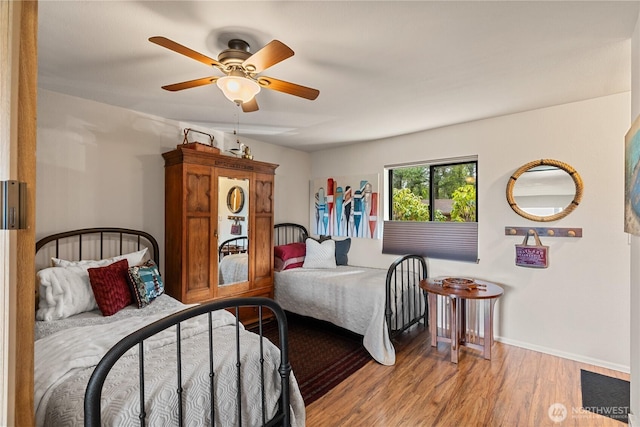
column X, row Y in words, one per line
column 241, row 81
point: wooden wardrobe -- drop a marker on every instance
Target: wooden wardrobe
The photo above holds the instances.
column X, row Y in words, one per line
column 192, row 217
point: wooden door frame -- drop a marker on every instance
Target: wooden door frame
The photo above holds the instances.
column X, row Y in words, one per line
column 18, row 61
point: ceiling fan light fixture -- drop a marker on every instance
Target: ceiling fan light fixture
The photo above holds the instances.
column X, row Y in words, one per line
column 242, row 81
column 238, row 89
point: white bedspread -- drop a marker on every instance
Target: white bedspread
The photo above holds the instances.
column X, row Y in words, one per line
column 347, row 296
column 64, row 361
column 234, row 268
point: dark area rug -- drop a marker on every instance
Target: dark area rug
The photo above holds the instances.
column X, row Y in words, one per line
column 605, row 395
column 321, row 354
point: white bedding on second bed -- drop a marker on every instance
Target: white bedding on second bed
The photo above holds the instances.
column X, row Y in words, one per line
column 67, row 351
column 347, row 296
column 234, row 268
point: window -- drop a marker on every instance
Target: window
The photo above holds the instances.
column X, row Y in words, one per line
column 432, row 209
column 442, row 192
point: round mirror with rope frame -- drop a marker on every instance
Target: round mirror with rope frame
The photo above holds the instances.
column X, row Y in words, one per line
column 537, row 165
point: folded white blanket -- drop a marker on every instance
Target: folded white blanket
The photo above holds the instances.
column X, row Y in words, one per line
column 234, row 268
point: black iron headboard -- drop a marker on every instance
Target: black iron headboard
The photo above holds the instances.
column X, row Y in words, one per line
column 235, row 245
column 288, row 232
column 100, row 237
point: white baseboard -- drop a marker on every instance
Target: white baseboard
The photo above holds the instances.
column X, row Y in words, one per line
column 571, row 356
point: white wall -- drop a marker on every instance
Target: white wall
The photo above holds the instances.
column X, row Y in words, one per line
column 100, row 165
column 579, row 306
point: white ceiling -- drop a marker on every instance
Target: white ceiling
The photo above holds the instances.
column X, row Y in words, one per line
column 383, row 68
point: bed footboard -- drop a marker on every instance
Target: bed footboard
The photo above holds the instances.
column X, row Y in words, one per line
column 406, row 302
column 92, row 402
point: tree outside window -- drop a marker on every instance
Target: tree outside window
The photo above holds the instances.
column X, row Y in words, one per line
column 441, row 192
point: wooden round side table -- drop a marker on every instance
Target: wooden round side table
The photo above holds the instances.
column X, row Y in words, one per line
column 465, row 315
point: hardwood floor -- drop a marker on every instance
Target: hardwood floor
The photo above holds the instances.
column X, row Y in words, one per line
column 423, row 388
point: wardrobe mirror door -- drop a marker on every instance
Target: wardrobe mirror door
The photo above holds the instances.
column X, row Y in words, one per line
column 233, row 230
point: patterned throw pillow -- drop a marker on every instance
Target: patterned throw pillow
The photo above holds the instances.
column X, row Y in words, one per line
column 320, row 255
column 342, row 248
column 146, row 283
column 110, row 287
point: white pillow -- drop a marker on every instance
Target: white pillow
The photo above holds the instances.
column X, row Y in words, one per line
column 64, row 292
column 133, row 258
column 86, row 263
column 320, row 255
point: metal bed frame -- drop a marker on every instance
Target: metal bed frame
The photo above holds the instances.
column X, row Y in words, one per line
column 92, row 403
column 232, row 246
column 288, row 232
column 403, row 276
column 101, row 236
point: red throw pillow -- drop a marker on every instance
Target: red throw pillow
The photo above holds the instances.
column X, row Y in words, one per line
column 110, row 287
column 289, row 256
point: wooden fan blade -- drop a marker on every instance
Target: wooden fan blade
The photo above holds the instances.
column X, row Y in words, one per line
column 274, row 52
column 287, row 87
column 191, row 83
column 176, row 47
column 250, row 106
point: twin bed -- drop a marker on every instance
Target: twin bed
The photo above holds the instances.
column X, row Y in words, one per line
column 164, row 363
column 373, row 302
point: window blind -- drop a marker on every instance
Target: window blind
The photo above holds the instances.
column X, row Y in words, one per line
column 456, row 241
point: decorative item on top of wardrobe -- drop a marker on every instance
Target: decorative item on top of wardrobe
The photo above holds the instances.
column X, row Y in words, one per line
column 197, row 145
column 241, row 150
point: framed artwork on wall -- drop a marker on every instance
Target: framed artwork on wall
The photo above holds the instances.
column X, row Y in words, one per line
column 346, row 206
column 632, row 179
